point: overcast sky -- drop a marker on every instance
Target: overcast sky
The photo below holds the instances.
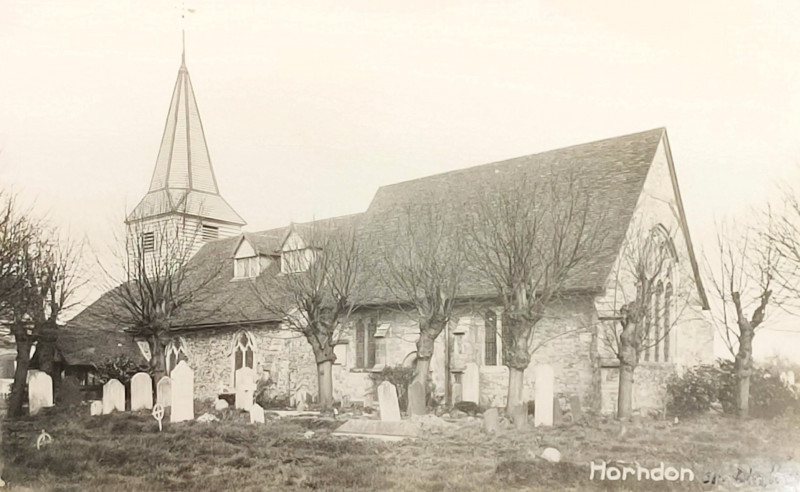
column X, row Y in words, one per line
column 310, row 106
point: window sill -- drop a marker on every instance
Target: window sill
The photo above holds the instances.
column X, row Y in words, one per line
column 367, row 369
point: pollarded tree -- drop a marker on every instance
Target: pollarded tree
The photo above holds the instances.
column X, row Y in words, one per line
column 743, row 279
column 647, row 301
column 319, row 286
column 424, row 262
column 158, row 284
column 527, row 239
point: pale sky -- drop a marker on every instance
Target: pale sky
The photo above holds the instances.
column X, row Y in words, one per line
column 310, row 106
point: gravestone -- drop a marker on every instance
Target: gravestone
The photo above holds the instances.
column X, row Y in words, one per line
column 491, row 420
column 182, row 393
column 543, row 393
column 558, row 416
column 387, row 399
column 164, row 392
column 141, row 391
column 96, row 407
column 416, row 399
column 40, row 391
column 113, row 397
column 300, row 396
column 256, row 414
column 471, row 383
column 69, row 393
column 245, row 388
column 575, row 408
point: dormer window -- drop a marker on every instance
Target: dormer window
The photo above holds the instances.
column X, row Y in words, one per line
column 296, row 256
column 246, row 267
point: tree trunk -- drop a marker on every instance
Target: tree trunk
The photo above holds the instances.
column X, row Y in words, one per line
column 627, row 365
column 744, row 369
column 46, row 348
column 516, row 378
column 516, row 357
column 17, row 396
column 158, row 358
column 325, row 384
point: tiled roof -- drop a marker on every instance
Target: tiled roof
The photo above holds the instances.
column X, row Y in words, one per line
column 612, row 170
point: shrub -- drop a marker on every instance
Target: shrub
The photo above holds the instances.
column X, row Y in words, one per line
column 700, row 386
column 694, row 391
column 121, row 368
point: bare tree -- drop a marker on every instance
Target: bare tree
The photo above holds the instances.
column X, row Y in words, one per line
column 424, row 263
column 159, row 282
column 527, row 239
column 316, row 292
column 646, row 304
column 743, row 279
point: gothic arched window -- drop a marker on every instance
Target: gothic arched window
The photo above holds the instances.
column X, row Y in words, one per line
column 657, row 317
column 175, row 352
column 244, row 352
column 667, row 320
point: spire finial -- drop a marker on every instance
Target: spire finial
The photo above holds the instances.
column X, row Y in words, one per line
column 184, row 11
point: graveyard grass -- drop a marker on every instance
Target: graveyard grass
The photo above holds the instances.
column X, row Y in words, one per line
column 125, row 452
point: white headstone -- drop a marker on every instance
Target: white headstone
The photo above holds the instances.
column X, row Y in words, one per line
column 164, row 392
column 300, row 396
column 245, row 388
column 790, row 378
column 96, row 407
column 387, row 399
column 543, row 394
column 113, row 397
column 256, row 414
column 40, row 391
column 141, row 391
column 182, row 393
column 471, row 383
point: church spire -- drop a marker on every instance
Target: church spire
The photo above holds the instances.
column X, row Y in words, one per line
column 183, row 180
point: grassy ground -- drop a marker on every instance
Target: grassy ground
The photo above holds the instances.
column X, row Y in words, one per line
column 125, row 452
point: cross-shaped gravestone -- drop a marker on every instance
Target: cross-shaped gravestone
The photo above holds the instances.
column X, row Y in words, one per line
column 141, row 391
column 182, row 393
column 245, row 387
column 113, row 397
column 387, row 399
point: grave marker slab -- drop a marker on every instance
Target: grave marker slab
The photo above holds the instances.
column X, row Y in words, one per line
column 245, row 387
column 471, row 383
column 256, row 414
column 387, row 399
column 575, row 408
column 543, row 393
column 491, row 420
column 40, row 391
column 164, row 392
column 141, row 391
column 182, row 393
column 69, row 393
column 113, row 397
column 558, row 416
column 96, row 407
column 416, row 399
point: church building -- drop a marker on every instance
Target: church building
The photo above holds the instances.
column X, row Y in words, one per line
column 633, row 176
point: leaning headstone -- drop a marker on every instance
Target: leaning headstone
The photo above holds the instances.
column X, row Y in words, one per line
column 113, row 397
column 471, row 383
column 220, row 404
column 543, row 393
column 256, row 414
column 96, row 408
column 552, row 455
column 141, row 391
column 575, row 408
column 558, row 416
column 40, row 391
column 69, row 393
column 491, row 420
column 182, row 393
column 245, row 388
column 387, row 399
column 416, row 399
column 164, row 392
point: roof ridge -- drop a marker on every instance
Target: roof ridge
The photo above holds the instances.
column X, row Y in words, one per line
column 503, row 161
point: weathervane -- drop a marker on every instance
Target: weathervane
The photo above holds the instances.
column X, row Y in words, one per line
column 184, row 10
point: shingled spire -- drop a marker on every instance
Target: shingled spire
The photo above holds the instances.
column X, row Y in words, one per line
column 183, row 181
